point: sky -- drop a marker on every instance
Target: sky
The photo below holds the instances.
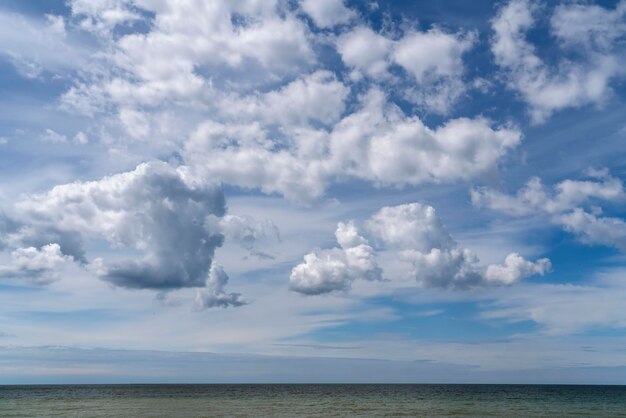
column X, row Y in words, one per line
column 312, row 191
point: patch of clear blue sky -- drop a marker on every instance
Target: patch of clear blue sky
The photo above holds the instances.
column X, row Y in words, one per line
column 435, row 321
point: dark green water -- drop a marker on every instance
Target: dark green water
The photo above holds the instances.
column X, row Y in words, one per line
column 312, row 400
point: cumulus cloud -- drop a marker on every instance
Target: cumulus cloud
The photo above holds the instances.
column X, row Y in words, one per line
column 53, row 137
column 328, row 13
column 433, row 59
column 377, row 143
column 186, row 42
column 243, row 85
column 245, row 230
column 325, row 271
column 155, row 209
column 316, row 98
column 365, row 50
column 514, row 269
column 414, row 234
column 417, row 234
column 593, row 33
column 569, row 204
column 38, row 265
column 213, row 294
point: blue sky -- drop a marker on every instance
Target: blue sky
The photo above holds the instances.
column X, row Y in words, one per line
column 437, row 186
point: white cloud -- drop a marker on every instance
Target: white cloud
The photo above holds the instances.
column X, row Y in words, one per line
column 433, row 59
column 565, row 308
column 80, row 138
column 135, row 123
column 412, row 234
column 569, row 205
column 328, row 13
column 102, row 16
column 38, row 265
column 325, row 271
column 593, row 229
column 53, row 137
column 378, row 142
column 213, row 294
column 589, row 25
column 316, row 98
column 155, row 209
column 588, row 29
column 246, row 230
column 366, row 50
column 419, row 237
column 240, row 84
column 414, row 226
column 514, row 269
column 188, row 46
column 38, row 46
column 534, row 196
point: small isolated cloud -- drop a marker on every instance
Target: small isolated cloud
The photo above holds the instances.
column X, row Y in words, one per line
column 246, row 230
column 53, row 137
column 569, row 204
column 213, row 294
column 328, row 13
column 365, row 50
column 80, row 138
column 37, row 265
column 593, row 33
column 435, row 60
column 325, row 271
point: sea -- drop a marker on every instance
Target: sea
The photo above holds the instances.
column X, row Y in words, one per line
column 304, row 400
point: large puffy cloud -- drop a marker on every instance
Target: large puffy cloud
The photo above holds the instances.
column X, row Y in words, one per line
column 325, row 271
column 570, row 204
column 377, row 143
column 591, row 31
column 415, row 231
column 155, row 209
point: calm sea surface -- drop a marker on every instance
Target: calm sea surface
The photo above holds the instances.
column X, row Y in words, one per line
column 312, row 400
